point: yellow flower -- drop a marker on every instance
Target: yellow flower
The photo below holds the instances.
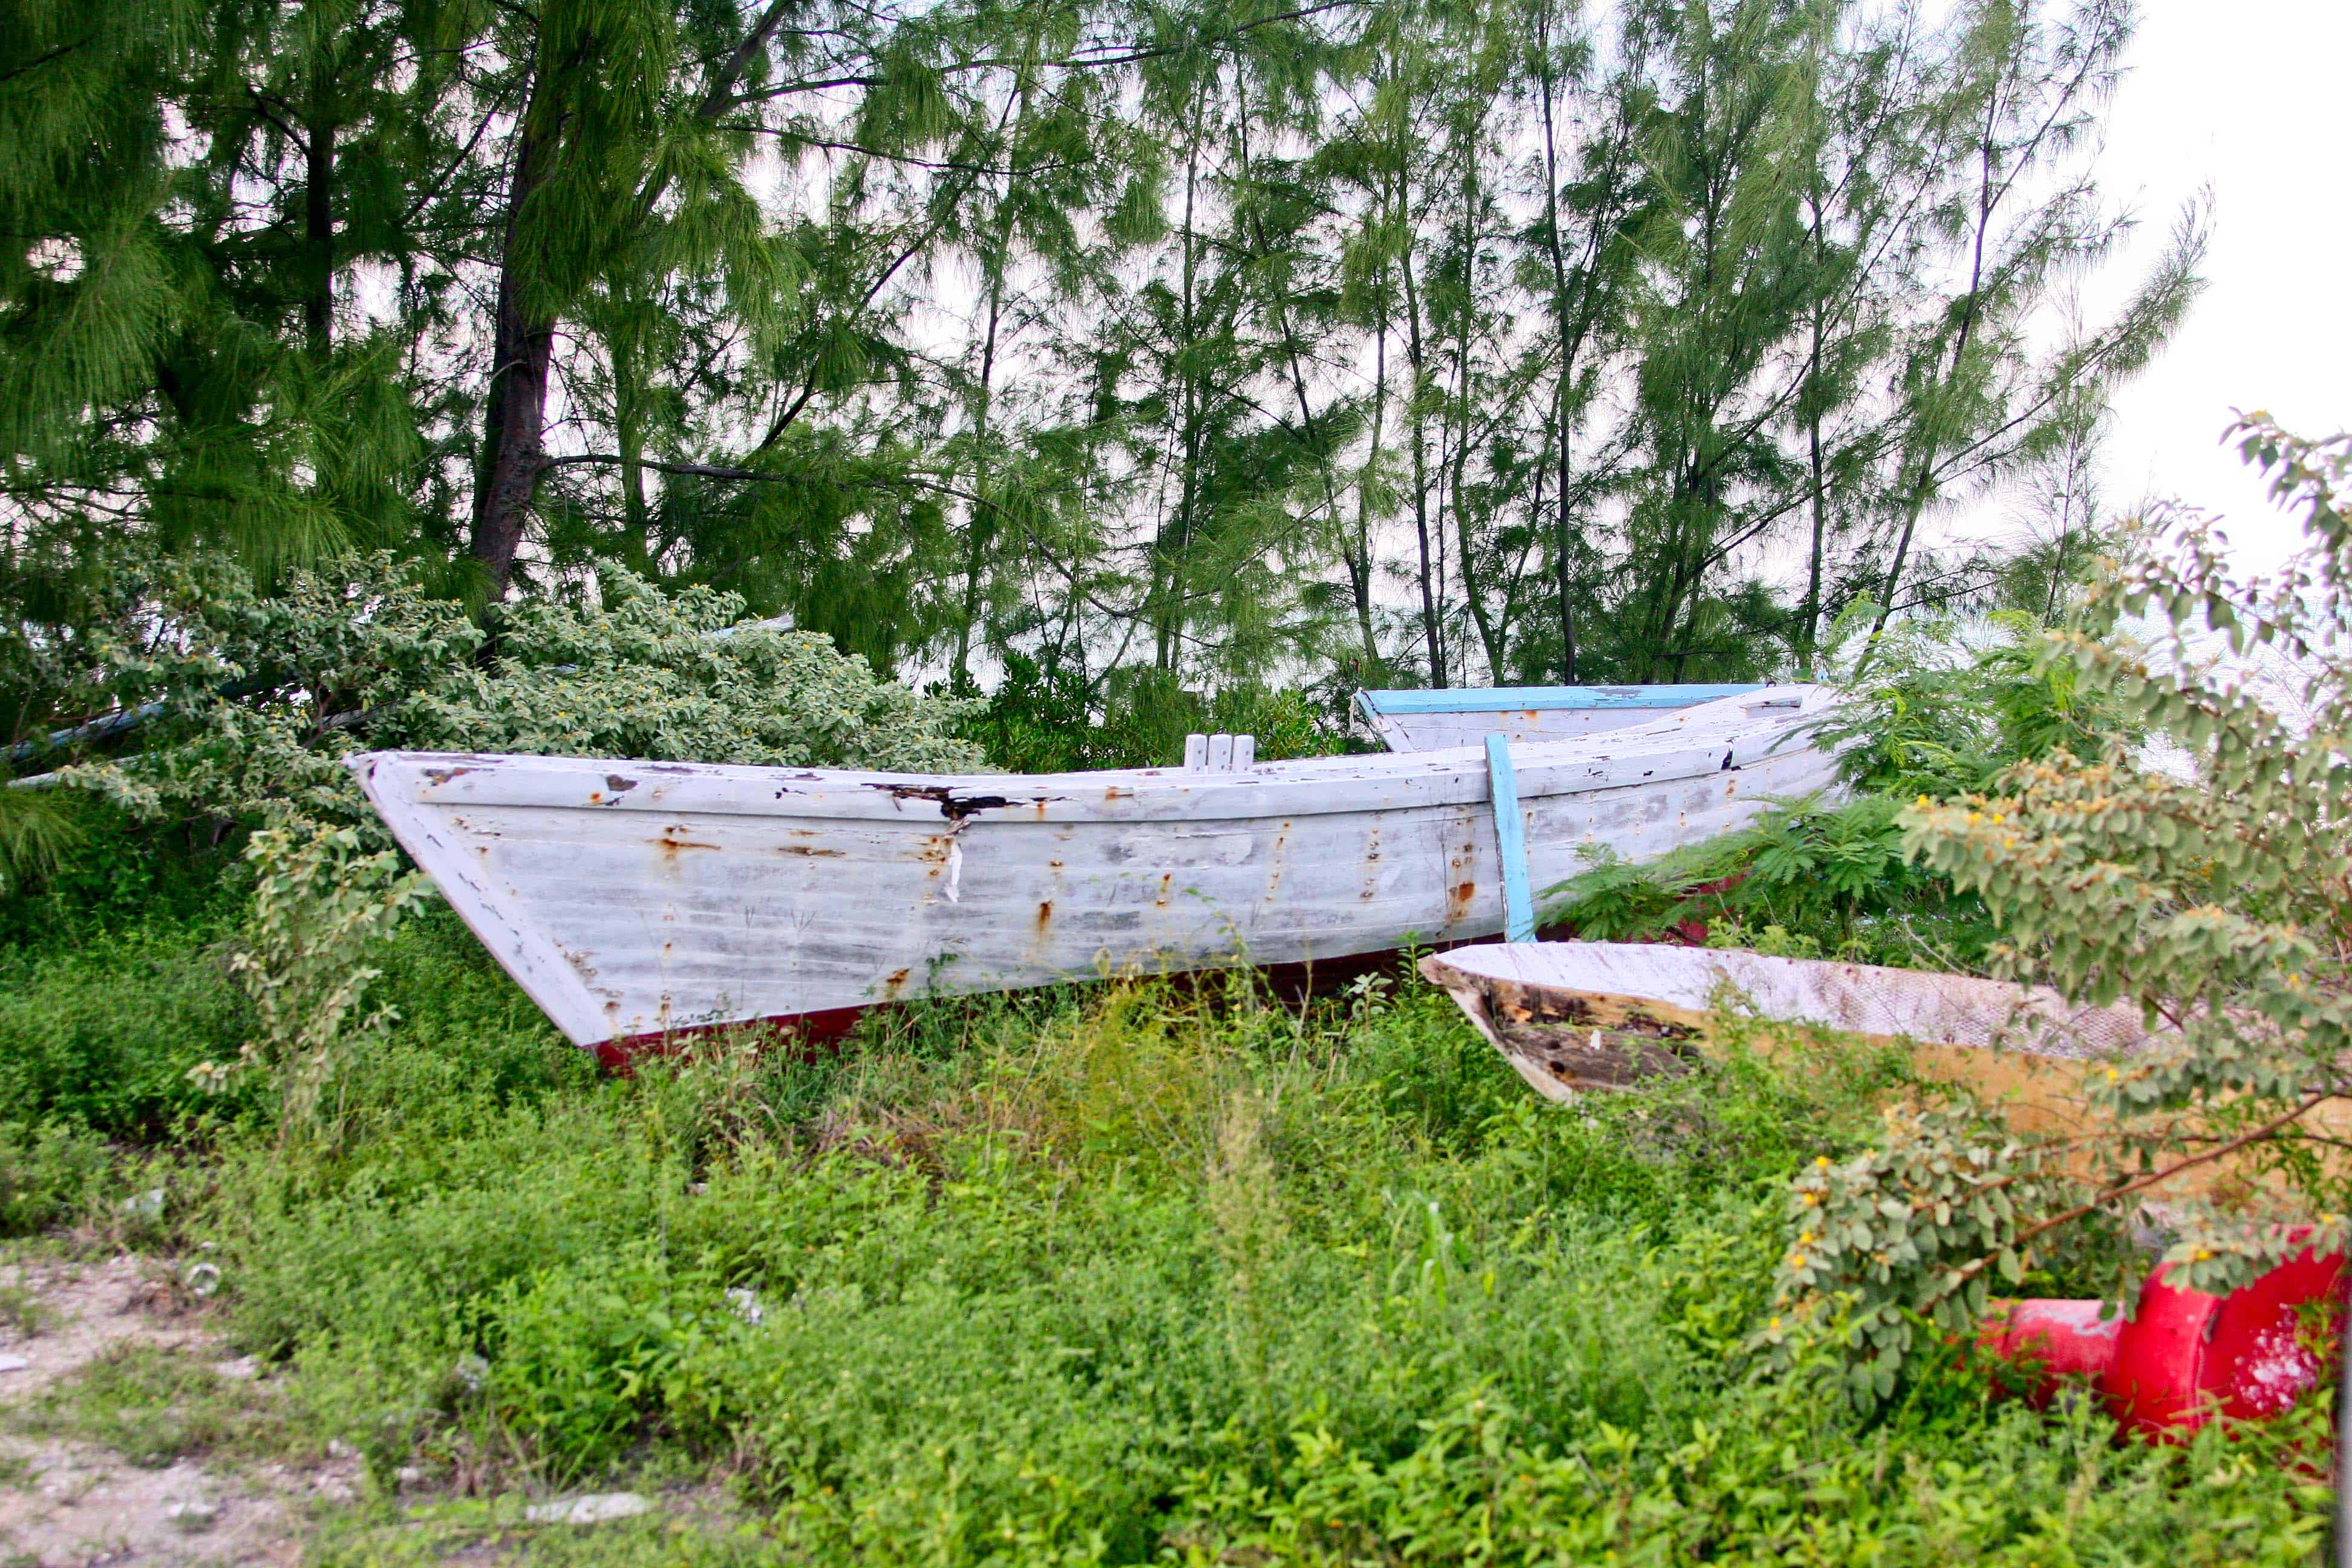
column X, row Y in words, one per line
column 2201, row 1255
column 1821, row 1161
column 1923, row 803
column 1796, row 1260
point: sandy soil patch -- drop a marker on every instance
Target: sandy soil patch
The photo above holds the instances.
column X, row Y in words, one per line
column 69, row 1503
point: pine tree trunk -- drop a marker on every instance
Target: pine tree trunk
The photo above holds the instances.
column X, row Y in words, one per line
column 1813, row 569
column 1563, row 571
column 1490, row 637
column 514, row 415
column 1810, row 632
column 628, row 430
column 1923, row 488
column 976, row 531
column 1359, row 556
column 319, row 234
column 1430, row 635
column 1358, row 570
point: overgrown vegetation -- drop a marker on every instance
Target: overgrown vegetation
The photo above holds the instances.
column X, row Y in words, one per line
column 2212, row 902
column 1127, row 1273
column 247, row 702
column 1111, row 1274
column 1932, row 708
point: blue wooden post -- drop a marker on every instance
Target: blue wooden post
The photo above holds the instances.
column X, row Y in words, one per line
column 1510, row 842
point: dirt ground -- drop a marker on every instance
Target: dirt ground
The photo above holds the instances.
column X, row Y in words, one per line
column 136, row 1478
column 69, row 1503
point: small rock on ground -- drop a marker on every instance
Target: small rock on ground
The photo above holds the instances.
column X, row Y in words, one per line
column 589, row 1508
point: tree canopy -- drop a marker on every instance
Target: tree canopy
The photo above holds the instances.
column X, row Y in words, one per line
column 1355, row 342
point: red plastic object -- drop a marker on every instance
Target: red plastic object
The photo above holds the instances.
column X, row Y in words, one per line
column 2185, row 1356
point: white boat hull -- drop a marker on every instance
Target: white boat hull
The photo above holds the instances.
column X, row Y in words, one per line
column 632, row 900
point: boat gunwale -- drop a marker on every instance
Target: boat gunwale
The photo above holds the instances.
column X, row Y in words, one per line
column 1310, row 786
column 1667, row 698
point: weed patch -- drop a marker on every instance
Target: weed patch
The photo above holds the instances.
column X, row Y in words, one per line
column 1121, row 1273
column 154, row 1405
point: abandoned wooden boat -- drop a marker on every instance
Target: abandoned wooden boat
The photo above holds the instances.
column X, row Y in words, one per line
column 631, row 899
column 1576, row 1015
column 1432, row 721
column 1572, row 1017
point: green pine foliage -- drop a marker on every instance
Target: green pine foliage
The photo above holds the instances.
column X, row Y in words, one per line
column 1478, row 340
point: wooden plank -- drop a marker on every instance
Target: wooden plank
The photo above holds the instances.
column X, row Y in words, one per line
column 1510, row 842
column 1502, row 699
column 1434, row 721
column 1653, row 753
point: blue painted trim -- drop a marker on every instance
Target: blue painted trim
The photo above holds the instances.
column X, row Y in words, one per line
column 1510, row 842
column 1506, row 698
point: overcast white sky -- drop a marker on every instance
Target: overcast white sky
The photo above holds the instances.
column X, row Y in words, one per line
column 2249, row 98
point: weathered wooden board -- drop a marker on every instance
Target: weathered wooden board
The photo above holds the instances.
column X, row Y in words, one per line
column 1539, row 1003
column 632, row 899
column 1435, row 720
column 1571, row 1017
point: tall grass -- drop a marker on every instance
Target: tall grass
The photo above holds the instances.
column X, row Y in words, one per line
column 1116, row 1274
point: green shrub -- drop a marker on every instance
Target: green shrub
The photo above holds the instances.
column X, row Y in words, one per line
column 1802, row 880
column 2211, row 900
column 1119, row 1274
column 259, row 699
column 104, row 1035
column 49, row 1173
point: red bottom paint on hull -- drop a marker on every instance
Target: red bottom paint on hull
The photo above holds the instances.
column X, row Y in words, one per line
column 1289, row 982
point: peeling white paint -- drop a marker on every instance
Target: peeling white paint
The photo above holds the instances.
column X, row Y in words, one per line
column 733, row 893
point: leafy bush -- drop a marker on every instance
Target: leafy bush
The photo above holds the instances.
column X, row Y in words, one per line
column 1928, row 708
column 105, row 1034
column 2214, row 902
column 1112, row 1274
column 319, row 907
column 49, row 1172
column 254, row 699
column 1802, row 880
